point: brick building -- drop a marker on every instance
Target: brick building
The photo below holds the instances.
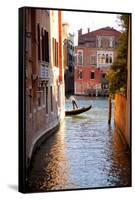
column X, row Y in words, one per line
column 95, row 53
column 44, row 74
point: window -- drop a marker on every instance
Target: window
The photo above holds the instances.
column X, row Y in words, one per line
column 103, row 59
column 39, row 98
column 46, row 46
column 110, row 58
column 55, row 51
column 80, row 75
column 92, row 75
column 43, row 49
column 39, row 46
column 93, row 60
column 107, row 60
column 80, row 57
column 43, row 45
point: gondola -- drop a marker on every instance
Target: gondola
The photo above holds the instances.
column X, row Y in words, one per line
column 77, row 111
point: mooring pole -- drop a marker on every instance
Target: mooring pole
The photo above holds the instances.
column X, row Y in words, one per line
column 110, row 110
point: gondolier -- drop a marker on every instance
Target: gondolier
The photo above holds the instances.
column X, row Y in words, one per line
column 73, row 102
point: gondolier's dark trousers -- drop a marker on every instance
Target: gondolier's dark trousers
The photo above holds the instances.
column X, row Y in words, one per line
column 74, row 104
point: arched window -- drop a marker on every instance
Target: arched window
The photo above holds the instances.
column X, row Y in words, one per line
column 107, row 60
column 110, row 58
column 80, row 57
column 103, row 59
column 79, row 74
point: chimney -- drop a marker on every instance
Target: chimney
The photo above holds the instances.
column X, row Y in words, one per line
column 88, row 30
column 65, row 29
column 80, row 32
column 79, row 35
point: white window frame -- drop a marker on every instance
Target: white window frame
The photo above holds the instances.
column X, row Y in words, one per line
column 110, row 53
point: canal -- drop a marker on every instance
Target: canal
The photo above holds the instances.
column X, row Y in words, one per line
column 84, row 153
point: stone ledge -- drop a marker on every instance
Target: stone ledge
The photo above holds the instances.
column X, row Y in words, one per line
column 36, row 144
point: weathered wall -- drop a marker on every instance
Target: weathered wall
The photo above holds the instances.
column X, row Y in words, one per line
column 121, row 117
column 82, row 86
column 44, row 94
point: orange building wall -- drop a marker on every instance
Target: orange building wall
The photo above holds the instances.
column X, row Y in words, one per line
column 120, row 116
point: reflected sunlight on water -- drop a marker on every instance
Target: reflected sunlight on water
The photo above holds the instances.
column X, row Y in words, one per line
column 84, row 153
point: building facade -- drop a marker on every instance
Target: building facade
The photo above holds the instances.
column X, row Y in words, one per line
column 68, row 48
column 95, row 53
column 44, row 75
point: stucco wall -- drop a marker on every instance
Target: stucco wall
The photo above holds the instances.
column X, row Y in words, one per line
column 45, row 103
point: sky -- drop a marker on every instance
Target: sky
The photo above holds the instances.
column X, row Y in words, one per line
column 89, row 20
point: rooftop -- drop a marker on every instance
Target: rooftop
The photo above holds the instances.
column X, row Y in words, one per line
column 105, row 31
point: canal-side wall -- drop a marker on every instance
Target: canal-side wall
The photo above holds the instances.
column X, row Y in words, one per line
column 45, row 99
column 120, row 117
column 37, row 131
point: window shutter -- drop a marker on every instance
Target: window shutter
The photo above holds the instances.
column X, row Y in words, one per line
column 38, row 36
column 47, row 44
column 42, row 33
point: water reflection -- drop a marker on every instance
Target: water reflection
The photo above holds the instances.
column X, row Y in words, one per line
column 50, row 166
column 121, row 160
column 84, row 153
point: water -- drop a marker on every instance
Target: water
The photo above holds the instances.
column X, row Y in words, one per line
column 84, row 153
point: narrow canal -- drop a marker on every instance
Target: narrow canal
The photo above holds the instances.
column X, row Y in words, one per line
column 84, row 153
